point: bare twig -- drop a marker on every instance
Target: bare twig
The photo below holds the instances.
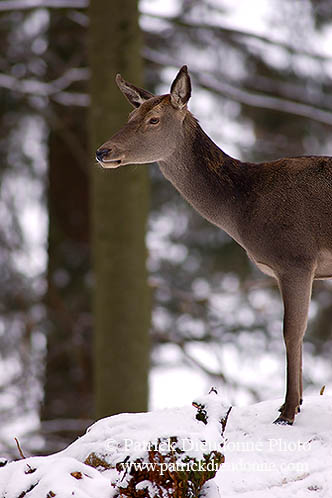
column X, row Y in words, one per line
column 19, row 448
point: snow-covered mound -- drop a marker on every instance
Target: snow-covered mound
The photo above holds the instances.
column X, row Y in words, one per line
column 261, row 459
column 164, row 454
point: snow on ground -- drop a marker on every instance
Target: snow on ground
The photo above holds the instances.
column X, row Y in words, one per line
column 47, row 477
column 261, row 459
column 282, row 461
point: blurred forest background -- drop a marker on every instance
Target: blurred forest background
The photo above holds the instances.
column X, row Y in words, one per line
column 72, row 236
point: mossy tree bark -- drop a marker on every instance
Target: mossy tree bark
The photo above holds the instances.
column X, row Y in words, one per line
column 119, row 212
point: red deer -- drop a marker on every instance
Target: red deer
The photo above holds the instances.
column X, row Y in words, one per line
column 280, row 212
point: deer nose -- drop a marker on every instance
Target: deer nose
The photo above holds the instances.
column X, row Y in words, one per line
column 101, row 153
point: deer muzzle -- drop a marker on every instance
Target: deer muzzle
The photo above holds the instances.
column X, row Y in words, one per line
column 105, row 159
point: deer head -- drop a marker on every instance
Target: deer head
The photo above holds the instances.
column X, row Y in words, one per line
column 153, row 128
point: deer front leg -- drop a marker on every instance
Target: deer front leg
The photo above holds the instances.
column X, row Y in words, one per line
column 301, row 387
column 295, row 288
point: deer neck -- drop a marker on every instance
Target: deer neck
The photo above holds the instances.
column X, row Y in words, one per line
column 205, row 176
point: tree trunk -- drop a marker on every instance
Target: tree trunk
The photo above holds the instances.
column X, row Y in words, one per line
column 68, row 370
column 119, row 213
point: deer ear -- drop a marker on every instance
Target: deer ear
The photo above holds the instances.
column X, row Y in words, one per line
column 181, row 88
column 135, row 95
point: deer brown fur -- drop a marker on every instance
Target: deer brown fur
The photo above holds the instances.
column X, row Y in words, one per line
column 280, row 212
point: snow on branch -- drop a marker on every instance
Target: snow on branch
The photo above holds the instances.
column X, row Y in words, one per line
column 9, row 5
column 223, row 30
column 54, row 89
column 264, row 101
column 210, row 82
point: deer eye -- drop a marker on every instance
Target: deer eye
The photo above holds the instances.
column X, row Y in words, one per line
column 153, row 121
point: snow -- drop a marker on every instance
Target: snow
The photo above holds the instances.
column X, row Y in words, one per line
column 260, row 458
column 54, row 474
column 285, row 460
